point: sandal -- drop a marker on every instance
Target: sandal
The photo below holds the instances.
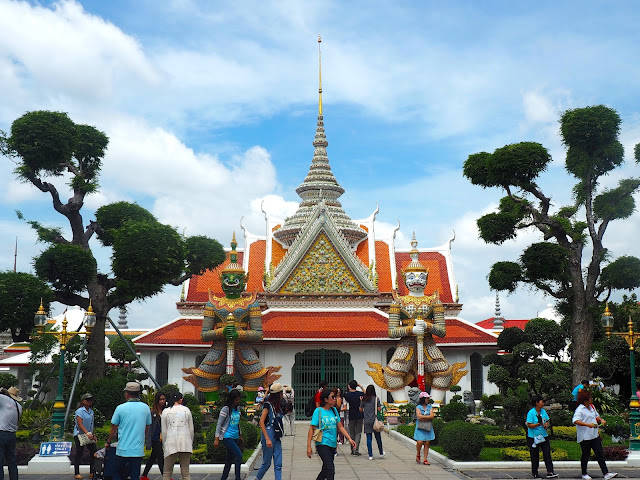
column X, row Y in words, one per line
column 426, row 462
column 417, row 458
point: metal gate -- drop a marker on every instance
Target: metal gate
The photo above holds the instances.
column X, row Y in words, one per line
column 311, row 367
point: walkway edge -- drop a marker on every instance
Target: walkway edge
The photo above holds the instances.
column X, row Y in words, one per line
column 491, row 465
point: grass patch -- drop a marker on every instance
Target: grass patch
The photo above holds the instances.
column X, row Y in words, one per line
column 491, row 454
column 246, row 454
column 439, row 449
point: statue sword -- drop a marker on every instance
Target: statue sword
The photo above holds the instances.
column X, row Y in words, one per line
column 231, row 320
column 420, row 356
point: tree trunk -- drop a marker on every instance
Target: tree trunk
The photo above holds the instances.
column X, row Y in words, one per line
column 581, row 319
column 96, row 365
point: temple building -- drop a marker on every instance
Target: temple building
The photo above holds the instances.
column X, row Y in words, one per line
column 324, row 283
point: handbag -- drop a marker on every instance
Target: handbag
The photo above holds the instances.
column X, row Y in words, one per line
column 426, row 425
column 317, row 435
column 378, row 426
column 84, row 439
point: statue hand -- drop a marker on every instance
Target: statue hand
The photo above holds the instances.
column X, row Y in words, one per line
column 419, row 327
column 230, row 332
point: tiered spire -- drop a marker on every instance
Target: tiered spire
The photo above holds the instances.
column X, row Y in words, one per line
column 319, row 185
column 498, row 320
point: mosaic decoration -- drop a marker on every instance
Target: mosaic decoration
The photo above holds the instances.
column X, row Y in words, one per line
column 322, row 271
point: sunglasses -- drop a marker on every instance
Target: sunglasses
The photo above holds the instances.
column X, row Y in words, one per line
column 332, row 396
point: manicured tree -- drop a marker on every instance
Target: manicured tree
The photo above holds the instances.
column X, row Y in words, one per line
column 146, row 254
column 20, row 296
column 555, row 265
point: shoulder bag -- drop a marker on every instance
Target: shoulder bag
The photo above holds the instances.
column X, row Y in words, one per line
column 378, row 426
column 426, row 425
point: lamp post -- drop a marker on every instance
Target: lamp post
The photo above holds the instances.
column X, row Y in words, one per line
column 63, row 337
column 634, row 406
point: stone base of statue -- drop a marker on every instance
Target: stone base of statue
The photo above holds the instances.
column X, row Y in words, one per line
column 44, row 465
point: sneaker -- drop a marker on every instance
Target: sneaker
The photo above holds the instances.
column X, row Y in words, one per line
column 77, row 476
column 382, row 455
column 357, row 454
column 552, row 475
column 586, row 477
column 370, row 458
column 536, row 476
column 610, row 475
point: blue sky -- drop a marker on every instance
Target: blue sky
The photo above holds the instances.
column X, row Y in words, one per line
column 211, row 109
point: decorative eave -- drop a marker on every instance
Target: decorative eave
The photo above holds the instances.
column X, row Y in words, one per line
column 319, row 221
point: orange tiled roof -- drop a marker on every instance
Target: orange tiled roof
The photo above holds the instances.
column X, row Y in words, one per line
column 199, row 285
column 257, row 252
column 183, row 331
column 305, row 324
column 277, row 253
column 438, row 274
column 488, row 323
column 310, row 324
column 383, row 267
column 362, row 252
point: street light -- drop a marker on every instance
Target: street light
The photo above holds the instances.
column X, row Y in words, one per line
column 63, row 337
column 634, row 406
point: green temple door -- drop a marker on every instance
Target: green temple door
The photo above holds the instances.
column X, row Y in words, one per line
column 312, row 366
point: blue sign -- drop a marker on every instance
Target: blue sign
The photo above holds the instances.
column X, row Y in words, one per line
column 55, row 449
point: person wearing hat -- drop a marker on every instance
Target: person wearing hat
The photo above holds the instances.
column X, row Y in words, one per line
column 271, row 432
column 84, row 430
column 260, row 396
column 10, row 413
column 131, row 421
column 423, row 437
column 289, row 410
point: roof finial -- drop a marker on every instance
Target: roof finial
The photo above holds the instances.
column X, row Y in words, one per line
column 319, row 76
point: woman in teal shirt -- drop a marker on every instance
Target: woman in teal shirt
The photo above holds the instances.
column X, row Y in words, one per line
column 537, row 424
column 228, row 428
column 327, row 419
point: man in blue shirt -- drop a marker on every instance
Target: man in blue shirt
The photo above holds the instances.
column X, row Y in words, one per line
column 131, row 420
column 573, row 404
column 537, row 424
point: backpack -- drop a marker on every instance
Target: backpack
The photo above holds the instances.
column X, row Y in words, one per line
column 276, row 422
column 311, row 406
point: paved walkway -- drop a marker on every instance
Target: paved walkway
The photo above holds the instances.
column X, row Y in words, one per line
column 398, row 463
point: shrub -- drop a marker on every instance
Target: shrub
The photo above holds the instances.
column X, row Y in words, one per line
column 25, row 451
column 250, row 434
column 504, row 440
column 522, row 454
column 564, row 433
column 438, row 424
column 217, row 454
column 560, row 418
column 23, row 435
column 199, row 454
column 406, row 430
column 613, row 421
column 615, row 453
column 453, row 411
column 496, row 415
column 489, row 402
column 461, row 440
column 102, row 433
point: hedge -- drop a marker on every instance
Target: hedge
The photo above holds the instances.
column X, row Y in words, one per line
column 522, row 454
column 461, row 440
column 504, row 440
column 565, row 433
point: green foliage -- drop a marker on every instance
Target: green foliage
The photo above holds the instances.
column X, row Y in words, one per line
column 560, row 418
column 108, row 391
column 68, row 268
column 522, row 454
column 250, row 434
column 509, row 338
column 622, row 274
column 614, row 421
column 37, row 421
column 20, row 295
column 438, row 425
column 120, row 352
column 461, row 440
column 454, row 411
column 496, row 415
column 564, row 433
column 505, row 276
column 545, row 261
column 497, row 227
column 162, row 262
column 407, row 412
column 44, row 140
column 548, row 334
column 113, row 216
column 490, row 401
column 517, row 164
column 406, row 430
column 617, row 203
column 504, row 440
column 192, row 402
column 202, row 252
column 605, row 401
column 7, row 380
column 476, row 169
column 455, row 388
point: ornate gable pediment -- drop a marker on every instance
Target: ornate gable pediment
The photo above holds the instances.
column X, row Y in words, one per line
column 321, row 261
